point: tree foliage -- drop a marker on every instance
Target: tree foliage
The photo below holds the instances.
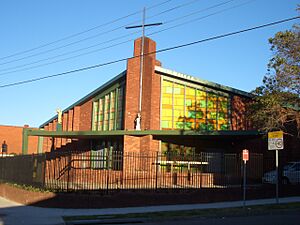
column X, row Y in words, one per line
column 277, row 102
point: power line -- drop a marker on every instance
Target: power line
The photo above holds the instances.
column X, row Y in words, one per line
column 67, row 45
column 158, row 51
column 93, row 36
column 65, row 59
column 174, row 8
column 199, row 18
column 82, row 32
column 97, row 50
column 199, row 11
column 228, row 34
column 67, row 53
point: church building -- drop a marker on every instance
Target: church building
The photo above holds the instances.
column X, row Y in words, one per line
column 148, row 108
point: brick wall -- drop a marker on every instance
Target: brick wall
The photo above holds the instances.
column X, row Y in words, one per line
column 150, row 92
column 75, row 119
column 13, row 136
column 132, row 144
column 238, row 114
column 150, row 112
column 85, row 122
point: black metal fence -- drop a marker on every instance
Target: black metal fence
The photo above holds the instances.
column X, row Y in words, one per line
column 109, row 170
column 23, row 169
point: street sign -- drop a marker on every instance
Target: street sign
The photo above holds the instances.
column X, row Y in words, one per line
column 245, row 155
column 275, row 140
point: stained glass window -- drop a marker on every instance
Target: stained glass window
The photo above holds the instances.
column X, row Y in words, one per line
column 167, row 105
column 187, row 107
column 200, row 113
column 178, row 106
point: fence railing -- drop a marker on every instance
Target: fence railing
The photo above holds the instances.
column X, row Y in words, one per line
column 23, row 169
column 113, row 170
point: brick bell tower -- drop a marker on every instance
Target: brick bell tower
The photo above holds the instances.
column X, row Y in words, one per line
column 150, row 98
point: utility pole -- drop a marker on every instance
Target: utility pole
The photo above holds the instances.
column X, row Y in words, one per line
column 143, row 25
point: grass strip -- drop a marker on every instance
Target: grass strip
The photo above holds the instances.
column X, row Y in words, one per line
column 225, row 212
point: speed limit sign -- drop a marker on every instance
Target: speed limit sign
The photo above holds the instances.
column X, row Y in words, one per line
column 275, row 140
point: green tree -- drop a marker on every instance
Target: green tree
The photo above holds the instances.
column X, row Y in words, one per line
column 277, row 101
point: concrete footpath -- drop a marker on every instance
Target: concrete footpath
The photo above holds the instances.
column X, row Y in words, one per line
column 12, row 213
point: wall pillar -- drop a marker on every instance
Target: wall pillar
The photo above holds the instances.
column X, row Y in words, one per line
column 25, row 141
column 150, row 110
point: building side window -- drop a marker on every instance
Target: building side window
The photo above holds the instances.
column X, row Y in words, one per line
column 201, row 112
column 106, row 155
column 100, row 114
column 108, row 111
column 223, row 120
column 167, row 105
column 178, row 106
column 120, row 110
column 112, row 111
column 95, row 113
column 190, row 108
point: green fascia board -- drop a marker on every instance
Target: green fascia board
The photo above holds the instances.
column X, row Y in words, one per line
column 99, row 134
column 89, row 96
column 199, row 81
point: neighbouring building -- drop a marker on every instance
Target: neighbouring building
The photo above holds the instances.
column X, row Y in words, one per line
column 13, row 138
column 178, row 112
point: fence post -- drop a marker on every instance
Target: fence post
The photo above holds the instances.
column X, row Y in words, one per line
column 107, row 171
column 69, row 168
column 244, row 182
column 201, row 166
column 174, row 173
column 44, row 171
column 156, row 171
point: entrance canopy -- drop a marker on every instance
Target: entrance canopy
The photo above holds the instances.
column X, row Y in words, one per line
column 164, row 135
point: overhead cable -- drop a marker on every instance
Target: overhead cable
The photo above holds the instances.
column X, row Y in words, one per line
column 15, row 68
column 154, row 52
column 81, row 32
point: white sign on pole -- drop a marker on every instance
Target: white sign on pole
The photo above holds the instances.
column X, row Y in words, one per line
column 275, row 140
column 245, row 155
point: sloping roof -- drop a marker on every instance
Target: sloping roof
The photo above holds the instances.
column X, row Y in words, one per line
column 199, row 81
column 159, row 70
column 89, row 96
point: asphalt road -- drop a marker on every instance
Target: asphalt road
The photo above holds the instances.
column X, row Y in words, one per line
column 286, row 218
column 12, row 213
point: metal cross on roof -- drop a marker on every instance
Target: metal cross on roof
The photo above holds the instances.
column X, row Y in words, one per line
column 143, row 25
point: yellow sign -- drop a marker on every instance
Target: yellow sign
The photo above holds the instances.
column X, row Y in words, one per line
column 275, row 140
column 275, row 134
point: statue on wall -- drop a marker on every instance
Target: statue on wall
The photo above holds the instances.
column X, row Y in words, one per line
column 137, row 122
column 59, row 116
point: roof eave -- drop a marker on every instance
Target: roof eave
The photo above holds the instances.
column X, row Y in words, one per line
column 206, row 83
column 88, row 96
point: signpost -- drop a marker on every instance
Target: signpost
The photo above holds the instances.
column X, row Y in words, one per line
column 275, row 142
column 245, row 155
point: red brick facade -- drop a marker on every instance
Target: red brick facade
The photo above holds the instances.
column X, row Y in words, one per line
column 75, row 119
column 238, row 113
column 13, row 135
column 150, row 91
column 150, row 112
column 79, row 117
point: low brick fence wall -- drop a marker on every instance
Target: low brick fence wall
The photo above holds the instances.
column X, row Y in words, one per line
column 23, row 196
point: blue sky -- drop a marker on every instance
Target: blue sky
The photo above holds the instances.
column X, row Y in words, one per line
column 238, row 61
